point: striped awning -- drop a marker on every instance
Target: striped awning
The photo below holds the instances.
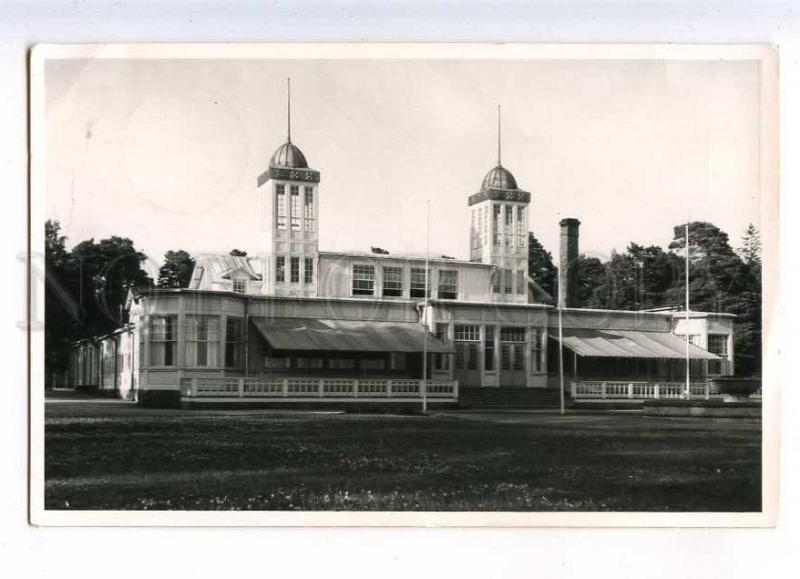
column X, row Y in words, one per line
column 630, row 344
column 347, row 335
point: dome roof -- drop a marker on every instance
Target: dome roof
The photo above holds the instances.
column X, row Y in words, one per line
column 288, row 155
column 499, row 178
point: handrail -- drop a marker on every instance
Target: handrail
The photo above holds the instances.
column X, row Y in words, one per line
column 311, row 387
column 640, row 390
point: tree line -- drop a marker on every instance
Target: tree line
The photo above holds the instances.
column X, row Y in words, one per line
column 87, row 287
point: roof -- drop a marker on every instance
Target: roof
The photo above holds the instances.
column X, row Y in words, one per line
column 222, row 265
column 499, row 178
column 630, row 344
column 347, row 335
column 290, row 156
column 390, row 256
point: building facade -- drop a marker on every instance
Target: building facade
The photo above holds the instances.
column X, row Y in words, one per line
column 377, row 321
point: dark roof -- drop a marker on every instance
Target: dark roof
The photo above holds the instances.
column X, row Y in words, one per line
column 348, row 335
column 499, row 178
column 631, row 344
column 288, row 155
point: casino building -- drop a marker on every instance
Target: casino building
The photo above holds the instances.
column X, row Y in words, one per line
column 296, row 323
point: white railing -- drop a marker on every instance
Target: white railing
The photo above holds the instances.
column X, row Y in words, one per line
column 609, row 389
column 265, row 387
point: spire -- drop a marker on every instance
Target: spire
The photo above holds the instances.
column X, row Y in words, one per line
column 499, row 163
column 289, row 109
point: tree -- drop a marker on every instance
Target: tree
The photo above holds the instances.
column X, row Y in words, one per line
column 108, row 270
column 590, row 275
column 717, row 276
column 541, row 269
column 635, row 280
column 379, row 250
column 750, row 251
column 720, row 281
column 176, row 272
column 85, row 290
column 238, row 253
column 62, row 313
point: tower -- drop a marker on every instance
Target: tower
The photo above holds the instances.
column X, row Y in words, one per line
column 290, row 193
column 499, row 229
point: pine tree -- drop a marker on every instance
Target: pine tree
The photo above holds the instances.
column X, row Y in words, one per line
column 751, row 246
column 542, row 270
column 176, row 272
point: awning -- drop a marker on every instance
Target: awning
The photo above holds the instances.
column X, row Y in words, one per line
column 630, row 344
column 347, row 335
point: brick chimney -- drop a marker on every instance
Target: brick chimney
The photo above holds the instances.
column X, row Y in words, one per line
column 568, row 263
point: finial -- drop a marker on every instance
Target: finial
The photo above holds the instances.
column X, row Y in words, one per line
column 289, row 109
column 499, row 163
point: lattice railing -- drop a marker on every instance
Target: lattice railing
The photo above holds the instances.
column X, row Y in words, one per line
column 611, row 389
column 302, row 387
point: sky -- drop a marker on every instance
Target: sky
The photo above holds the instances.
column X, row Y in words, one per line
column 167, row 152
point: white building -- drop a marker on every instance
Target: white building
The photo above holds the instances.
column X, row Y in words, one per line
column 299, row 323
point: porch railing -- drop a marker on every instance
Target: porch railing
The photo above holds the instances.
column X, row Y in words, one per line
column 640, row 390
column 371, row 388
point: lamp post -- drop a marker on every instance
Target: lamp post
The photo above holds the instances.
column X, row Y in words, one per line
column 688, row 371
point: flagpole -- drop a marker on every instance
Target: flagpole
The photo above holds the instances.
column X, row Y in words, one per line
column 688, row 372
column 561, row 359
column 424, row 391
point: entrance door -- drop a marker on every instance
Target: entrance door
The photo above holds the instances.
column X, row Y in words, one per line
column 512, row 359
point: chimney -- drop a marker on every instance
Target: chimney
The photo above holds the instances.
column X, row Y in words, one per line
column 568, row 263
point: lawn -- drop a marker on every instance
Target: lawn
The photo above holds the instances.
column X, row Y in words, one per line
column 114, row 455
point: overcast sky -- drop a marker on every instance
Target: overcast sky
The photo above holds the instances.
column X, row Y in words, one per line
column 167, row 152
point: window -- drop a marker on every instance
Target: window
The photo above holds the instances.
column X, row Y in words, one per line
column 373, row 364
column 537, row 350
column 496, row 223
column 419, row 283
column 309, row 363
column 520, row 220
column 508, row 279
column 473, row 229
column 497, row 277
column 342, row 364
column 234, row 339
column 363, row 280
column 509, row 218
column 240, row 286
column 463, row 332
column 467, row 341
column 485, row 230
column 448, row 284
column 477, row 227
column 308, row 208
column 393, row 281
column 512, row 353
column 162, row 341
column 294, row 270
column 520, row 281
column 512, row 334
column 718, row 344
column 277, row 362
column 295, row 207
column 398, row 361
column 280, row 269
column 308, row 271
column 488, row 348
column 280, row 196
column 441, row 361
column 202, row 345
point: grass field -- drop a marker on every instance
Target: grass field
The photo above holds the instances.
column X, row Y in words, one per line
column 114, row 455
